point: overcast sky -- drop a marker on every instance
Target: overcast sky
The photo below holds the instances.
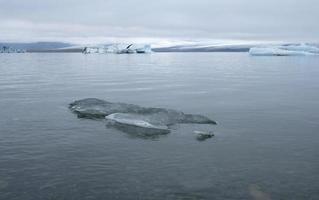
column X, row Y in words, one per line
column 100, row 20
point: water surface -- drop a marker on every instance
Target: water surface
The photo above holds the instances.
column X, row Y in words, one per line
column 266, row 142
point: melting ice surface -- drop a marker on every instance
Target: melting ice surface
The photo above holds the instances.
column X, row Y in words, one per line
column 285, row 50
column 135, row 123
column 119, row 49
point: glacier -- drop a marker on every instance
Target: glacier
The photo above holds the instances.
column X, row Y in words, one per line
column 118, row 49
column 302, row 49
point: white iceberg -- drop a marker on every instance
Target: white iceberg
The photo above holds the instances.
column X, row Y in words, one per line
column 285, row 50
column 119, row 49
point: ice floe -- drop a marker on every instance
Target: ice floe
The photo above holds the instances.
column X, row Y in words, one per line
column 203, row 135
column 134, row 118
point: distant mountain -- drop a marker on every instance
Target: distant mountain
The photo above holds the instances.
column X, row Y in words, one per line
column 37, row 46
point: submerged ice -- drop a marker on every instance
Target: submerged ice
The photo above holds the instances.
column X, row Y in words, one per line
column 285, row 50
column 134, row 118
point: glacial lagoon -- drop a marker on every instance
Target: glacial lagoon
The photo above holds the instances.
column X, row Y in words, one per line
column 265, row 145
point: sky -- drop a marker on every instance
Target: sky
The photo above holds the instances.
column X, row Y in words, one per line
column 94, row 21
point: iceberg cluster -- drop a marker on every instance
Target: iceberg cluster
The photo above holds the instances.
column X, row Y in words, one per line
column 119, row 49
column 6, row 49
column 285, row 50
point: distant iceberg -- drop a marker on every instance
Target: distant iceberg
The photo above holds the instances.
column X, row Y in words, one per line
column 7, row 49
column 119, row 49
column 285, row 50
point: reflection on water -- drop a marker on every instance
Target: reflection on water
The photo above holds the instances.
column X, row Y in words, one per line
column 265, row 144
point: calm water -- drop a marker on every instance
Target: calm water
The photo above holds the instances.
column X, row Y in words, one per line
column 266, row 143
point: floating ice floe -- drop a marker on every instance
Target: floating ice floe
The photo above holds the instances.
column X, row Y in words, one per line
column 133, row 118
column 285, row 50
column 119, row 49
column 203, row 135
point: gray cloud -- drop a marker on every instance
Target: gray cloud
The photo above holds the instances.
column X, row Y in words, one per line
column 89, row 20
